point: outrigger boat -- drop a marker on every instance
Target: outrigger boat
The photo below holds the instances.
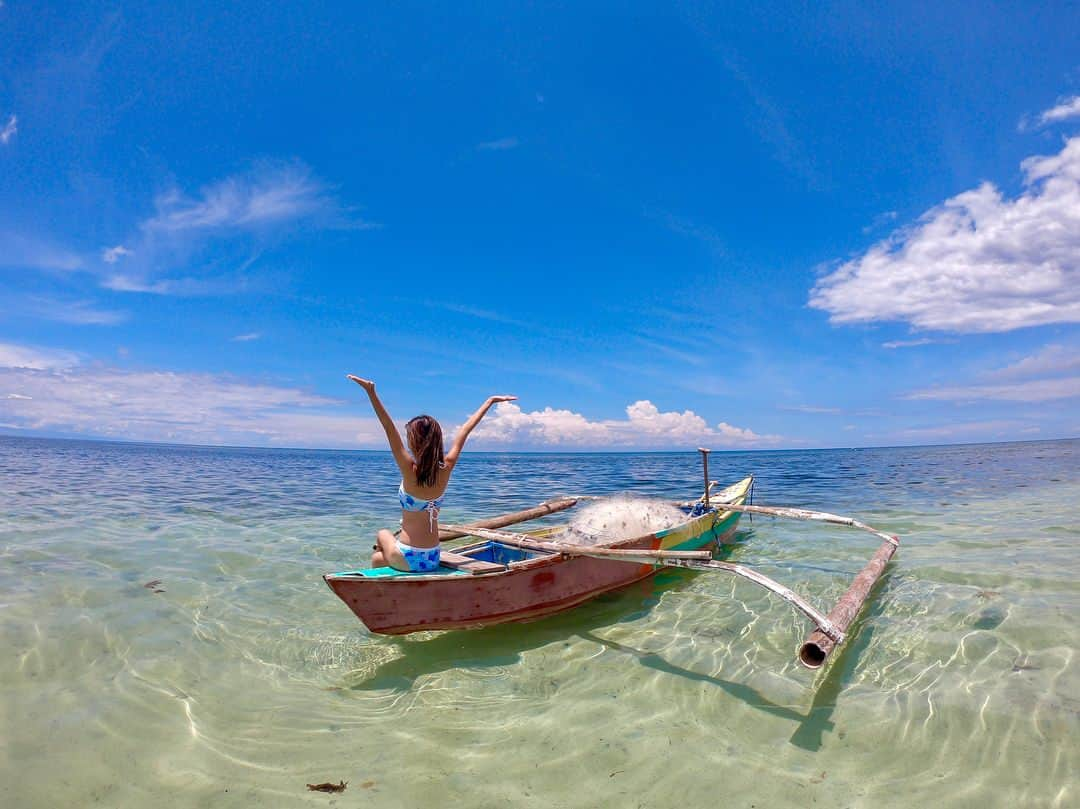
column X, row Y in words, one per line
column 510, row 576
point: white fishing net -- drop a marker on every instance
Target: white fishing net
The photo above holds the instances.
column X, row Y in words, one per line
column 620, row 517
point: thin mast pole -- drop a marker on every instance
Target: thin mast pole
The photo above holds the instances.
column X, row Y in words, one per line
column 705, row 463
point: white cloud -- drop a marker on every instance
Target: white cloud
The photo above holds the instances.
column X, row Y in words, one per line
column 104, row 401
column 16, row 356
column 510, row 424
column 1064, row 110
column 9, row 130
column 110, row 255
column 980, row 262
column 500, row 145
column 246, row 338
column 731, row 435
column 645, row 426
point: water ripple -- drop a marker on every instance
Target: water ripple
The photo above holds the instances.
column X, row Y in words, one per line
column 170, row 642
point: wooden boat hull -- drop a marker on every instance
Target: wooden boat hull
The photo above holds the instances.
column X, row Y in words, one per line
column 522, row 591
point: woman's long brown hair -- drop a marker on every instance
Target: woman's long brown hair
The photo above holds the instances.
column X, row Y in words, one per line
column 426, row 443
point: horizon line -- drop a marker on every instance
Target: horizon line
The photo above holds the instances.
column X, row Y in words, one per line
column 136, row 442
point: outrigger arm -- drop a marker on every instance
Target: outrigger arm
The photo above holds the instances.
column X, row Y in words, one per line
column 692, row 560
column 830, row 629
column 817, row 646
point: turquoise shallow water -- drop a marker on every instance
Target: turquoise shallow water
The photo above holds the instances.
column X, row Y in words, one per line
column 245, row 678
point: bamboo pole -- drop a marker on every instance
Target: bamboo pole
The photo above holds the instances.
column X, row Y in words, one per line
column 806, row 514
column 641, row 556
column 817, row 645
column 542, row 510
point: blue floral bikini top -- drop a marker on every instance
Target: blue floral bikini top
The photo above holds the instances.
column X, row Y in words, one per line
column 410, row 503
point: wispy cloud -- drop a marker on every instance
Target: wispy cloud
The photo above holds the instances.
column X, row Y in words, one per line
column 688, row 357
column 110, row 255
column 33, row 357
column 831, row 411
column 500, row 145
column 1051, row 360
column 479, row 313
column 882, row 219
column 960, row 431
column 270, row 195
column 689, row 228
column 76, row 312
column 246, row 338
column 9, row 130
column 180, row 287
column 645, row 427
column 1036, row 390
column 980, row 262
column 220, row 230
column 1047, row 375
column 767, row 118
column 1065, row 110
column 46, row 390
column 922, row 341
column 21, row 250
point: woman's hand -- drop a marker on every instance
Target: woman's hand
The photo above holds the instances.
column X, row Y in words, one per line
column 497, row 399
column 366, row 384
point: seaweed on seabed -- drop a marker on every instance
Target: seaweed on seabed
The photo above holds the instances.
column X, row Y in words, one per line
column 326, row 786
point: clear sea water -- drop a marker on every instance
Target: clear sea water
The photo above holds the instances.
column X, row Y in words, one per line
column 239, row 678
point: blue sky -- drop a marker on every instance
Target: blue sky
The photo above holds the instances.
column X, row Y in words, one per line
column 659, row 225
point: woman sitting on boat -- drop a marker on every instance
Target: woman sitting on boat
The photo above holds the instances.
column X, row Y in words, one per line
column 424, row 476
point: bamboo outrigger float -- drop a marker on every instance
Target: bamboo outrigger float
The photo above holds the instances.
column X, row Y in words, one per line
column 522, row 576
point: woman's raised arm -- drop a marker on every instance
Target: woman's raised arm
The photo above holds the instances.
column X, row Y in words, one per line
column 393, row 437
column 463, row 434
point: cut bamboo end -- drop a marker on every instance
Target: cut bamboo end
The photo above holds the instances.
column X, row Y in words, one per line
column 812, row 655
column 816, row 648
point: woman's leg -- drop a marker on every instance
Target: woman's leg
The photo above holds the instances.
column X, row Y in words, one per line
column 388, row 553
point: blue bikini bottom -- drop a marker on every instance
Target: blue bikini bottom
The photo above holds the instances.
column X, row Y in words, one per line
column 420, row 560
